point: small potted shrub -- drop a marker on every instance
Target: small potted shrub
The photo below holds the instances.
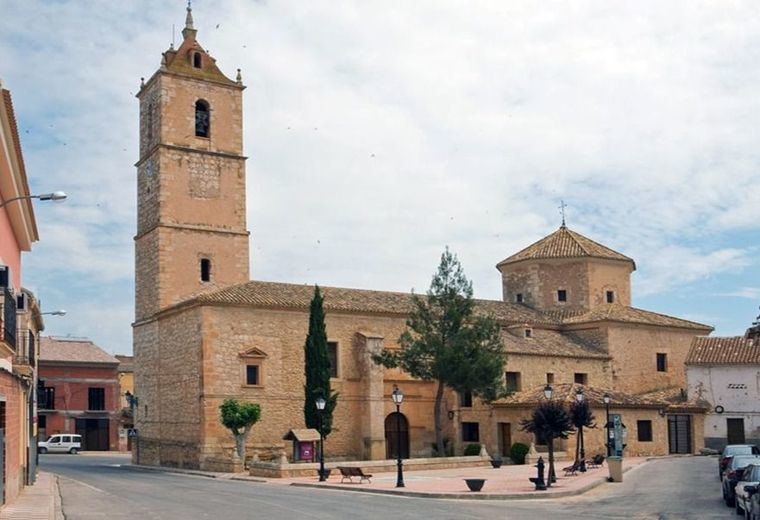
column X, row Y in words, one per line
column 517, row 452
column 496, row 461
column 472, row 450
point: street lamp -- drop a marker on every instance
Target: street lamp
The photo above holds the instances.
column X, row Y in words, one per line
column 56, row 196
column 398, row 398
column 320, row 402
column 607, row 400
column 580, row 397
column 59, row 312
column 552, row 477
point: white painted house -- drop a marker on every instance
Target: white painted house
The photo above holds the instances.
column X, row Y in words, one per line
column 725, row 372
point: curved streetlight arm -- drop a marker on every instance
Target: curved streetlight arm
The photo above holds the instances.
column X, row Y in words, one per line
column 55, row 196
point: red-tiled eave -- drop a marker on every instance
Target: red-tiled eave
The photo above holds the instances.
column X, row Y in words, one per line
column 736, row 350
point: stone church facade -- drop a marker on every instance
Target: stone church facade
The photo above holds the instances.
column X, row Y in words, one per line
column 204, row 332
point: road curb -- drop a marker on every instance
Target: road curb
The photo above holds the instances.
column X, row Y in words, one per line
column 531, row 495
column 197, row 473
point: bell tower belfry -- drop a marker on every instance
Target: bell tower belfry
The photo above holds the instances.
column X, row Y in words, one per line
column 191, row 226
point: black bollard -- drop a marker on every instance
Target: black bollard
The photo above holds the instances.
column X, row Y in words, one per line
column 540, row 482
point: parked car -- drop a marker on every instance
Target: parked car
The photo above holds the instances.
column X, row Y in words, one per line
column 733, row 474
column 61, row 443
column 749, row 479
column 731, row 450
column 754, row 502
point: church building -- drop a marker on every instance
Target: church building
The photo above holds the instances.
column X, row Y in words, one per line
column 205, row 332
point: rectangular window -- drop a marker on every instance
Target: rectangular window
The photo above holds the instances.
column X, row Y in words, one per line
column 42, row 421
column 470, row 432
column 332, row 353
column 610, row 296
column 46, row 401
column 549, row 378
column 513, row 381
column 662, row 362
column 252, row 375
column 562, row 295
column 519, row 298
column 465, row 399
column 644, row 429
column 96, row 398
column 528, row 333
column 581, row 378
column 205, row 270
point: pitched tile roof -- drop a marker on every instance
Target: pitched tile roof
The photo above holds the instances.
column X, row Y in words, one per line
column 566, row 392
column 73, row 350
column 126, row 363
column 289, row 296
column 565, row 243
column 625, row 314
column 550, row 343
column 737, row 350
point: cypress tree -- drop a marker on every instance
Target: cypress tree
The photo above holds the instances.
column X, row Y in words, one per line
column 317, row 369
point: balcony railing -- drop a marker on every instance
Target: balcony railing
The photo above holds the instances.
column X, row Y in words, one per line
column 8, row 318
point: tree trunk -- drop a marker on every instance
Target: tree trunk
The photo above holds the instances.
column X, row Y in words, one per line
column 437, row 417
column 240, row 440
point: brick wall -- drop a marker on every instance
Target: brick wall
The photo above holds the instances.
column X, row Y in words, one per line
column 15, row 451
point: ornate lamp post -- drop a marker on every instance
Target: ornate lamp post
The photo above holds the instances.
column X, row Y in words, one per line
column 607, row 400
column 398, row 398
column 552, row 477
column 320, row 402
column 579, row 397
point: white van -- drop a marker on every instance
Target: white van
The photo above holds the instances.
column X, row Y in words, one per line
column 61, row 443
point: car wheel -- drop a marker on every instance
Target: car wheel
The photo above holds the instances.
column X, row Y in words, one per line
column 73, row 451
column 43, row 450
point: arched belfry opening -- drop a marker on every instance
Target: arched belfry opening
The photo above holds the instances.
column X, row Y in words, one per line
column 202, row 119
column 396, row 429
column 197, row 63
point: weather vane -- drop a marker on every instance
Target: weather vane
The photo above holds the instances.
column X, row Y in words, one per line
column 562, row 207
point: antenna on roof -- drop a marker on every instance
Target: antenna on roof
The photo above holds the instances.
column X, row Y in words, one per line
column 562, row 207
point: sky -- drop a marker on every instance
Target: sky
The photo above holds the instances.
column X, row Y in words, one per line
column 379, row 132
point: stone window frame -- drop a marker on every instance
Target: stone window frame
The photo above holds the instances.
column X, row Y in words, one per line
column 609, row 296
column 550, row 378
column 518, row 381
column 639, row 430
column 583, row 377
column 255, row 357
column 563, row 293
column 661, row 362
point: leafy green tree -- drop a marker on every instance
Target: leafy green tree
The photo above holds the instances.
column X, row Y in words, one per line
column 581, row 417
column 448, row 341
column 317, row 369
column 239, row 417
column 549, row 421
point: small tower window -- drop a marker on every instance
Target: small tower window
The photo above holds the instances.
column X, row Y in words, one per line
column 562, row 295
column 528, row 332
column 202, row 118
column 519, row 297
column 197, row 60
column 610, row 296
column 205, row 270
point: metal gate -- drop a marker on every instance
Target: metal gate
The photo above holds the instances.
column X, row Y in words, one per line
column 679, row 433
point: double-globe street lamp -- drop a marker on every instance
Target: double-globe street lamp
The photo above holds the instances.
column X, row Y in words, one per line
column 552, row 477
column 398, row 398
column 607, row 400
column 580, row 397
column 321, row 403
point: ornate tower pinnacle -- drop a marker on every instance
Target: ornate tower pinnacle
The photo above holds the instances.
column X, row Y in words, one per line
column 189, row 31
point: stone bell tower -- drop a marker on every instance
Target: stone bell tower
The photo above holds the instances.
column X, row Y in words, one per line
column 191, row 226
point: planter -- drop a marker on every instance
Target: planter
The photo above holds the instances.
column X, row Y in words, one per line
column 327, row 473
column 475, row 484
column 496, row 463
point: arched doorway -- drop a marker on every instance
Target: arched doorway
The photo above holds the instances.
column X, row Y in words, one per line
column 396, row 426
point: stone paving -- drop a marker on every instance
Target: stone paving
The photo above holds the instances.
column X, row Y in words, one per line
column 38, row 502
column 505, row 482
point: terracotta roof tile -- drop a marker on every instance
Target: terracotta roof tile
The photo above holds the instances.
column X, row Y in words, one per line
column 565, row 243
column 287, row 295
column 625, row 314
column 73, row 350
column 566, row 392
column 550, row 343
column 737, row 350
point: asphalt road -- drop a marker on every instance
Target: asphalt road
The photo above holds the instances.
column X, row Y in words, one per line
column 98, row 487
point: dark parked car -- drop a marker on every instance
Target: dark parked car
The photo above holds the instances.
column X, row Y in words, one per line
column 733, row 474
column 731, row 450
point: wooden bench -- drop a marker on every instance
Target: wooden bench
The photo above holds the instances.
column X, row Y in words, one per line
column 349, row 472
column 572, row 470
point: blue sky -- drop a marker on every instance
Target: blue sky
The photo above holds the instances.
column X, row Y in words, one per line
column 379, row 132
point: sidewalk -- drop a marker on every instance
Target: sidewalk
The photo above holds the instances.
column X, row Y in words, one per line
column 507, row 482
column 38, row 502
